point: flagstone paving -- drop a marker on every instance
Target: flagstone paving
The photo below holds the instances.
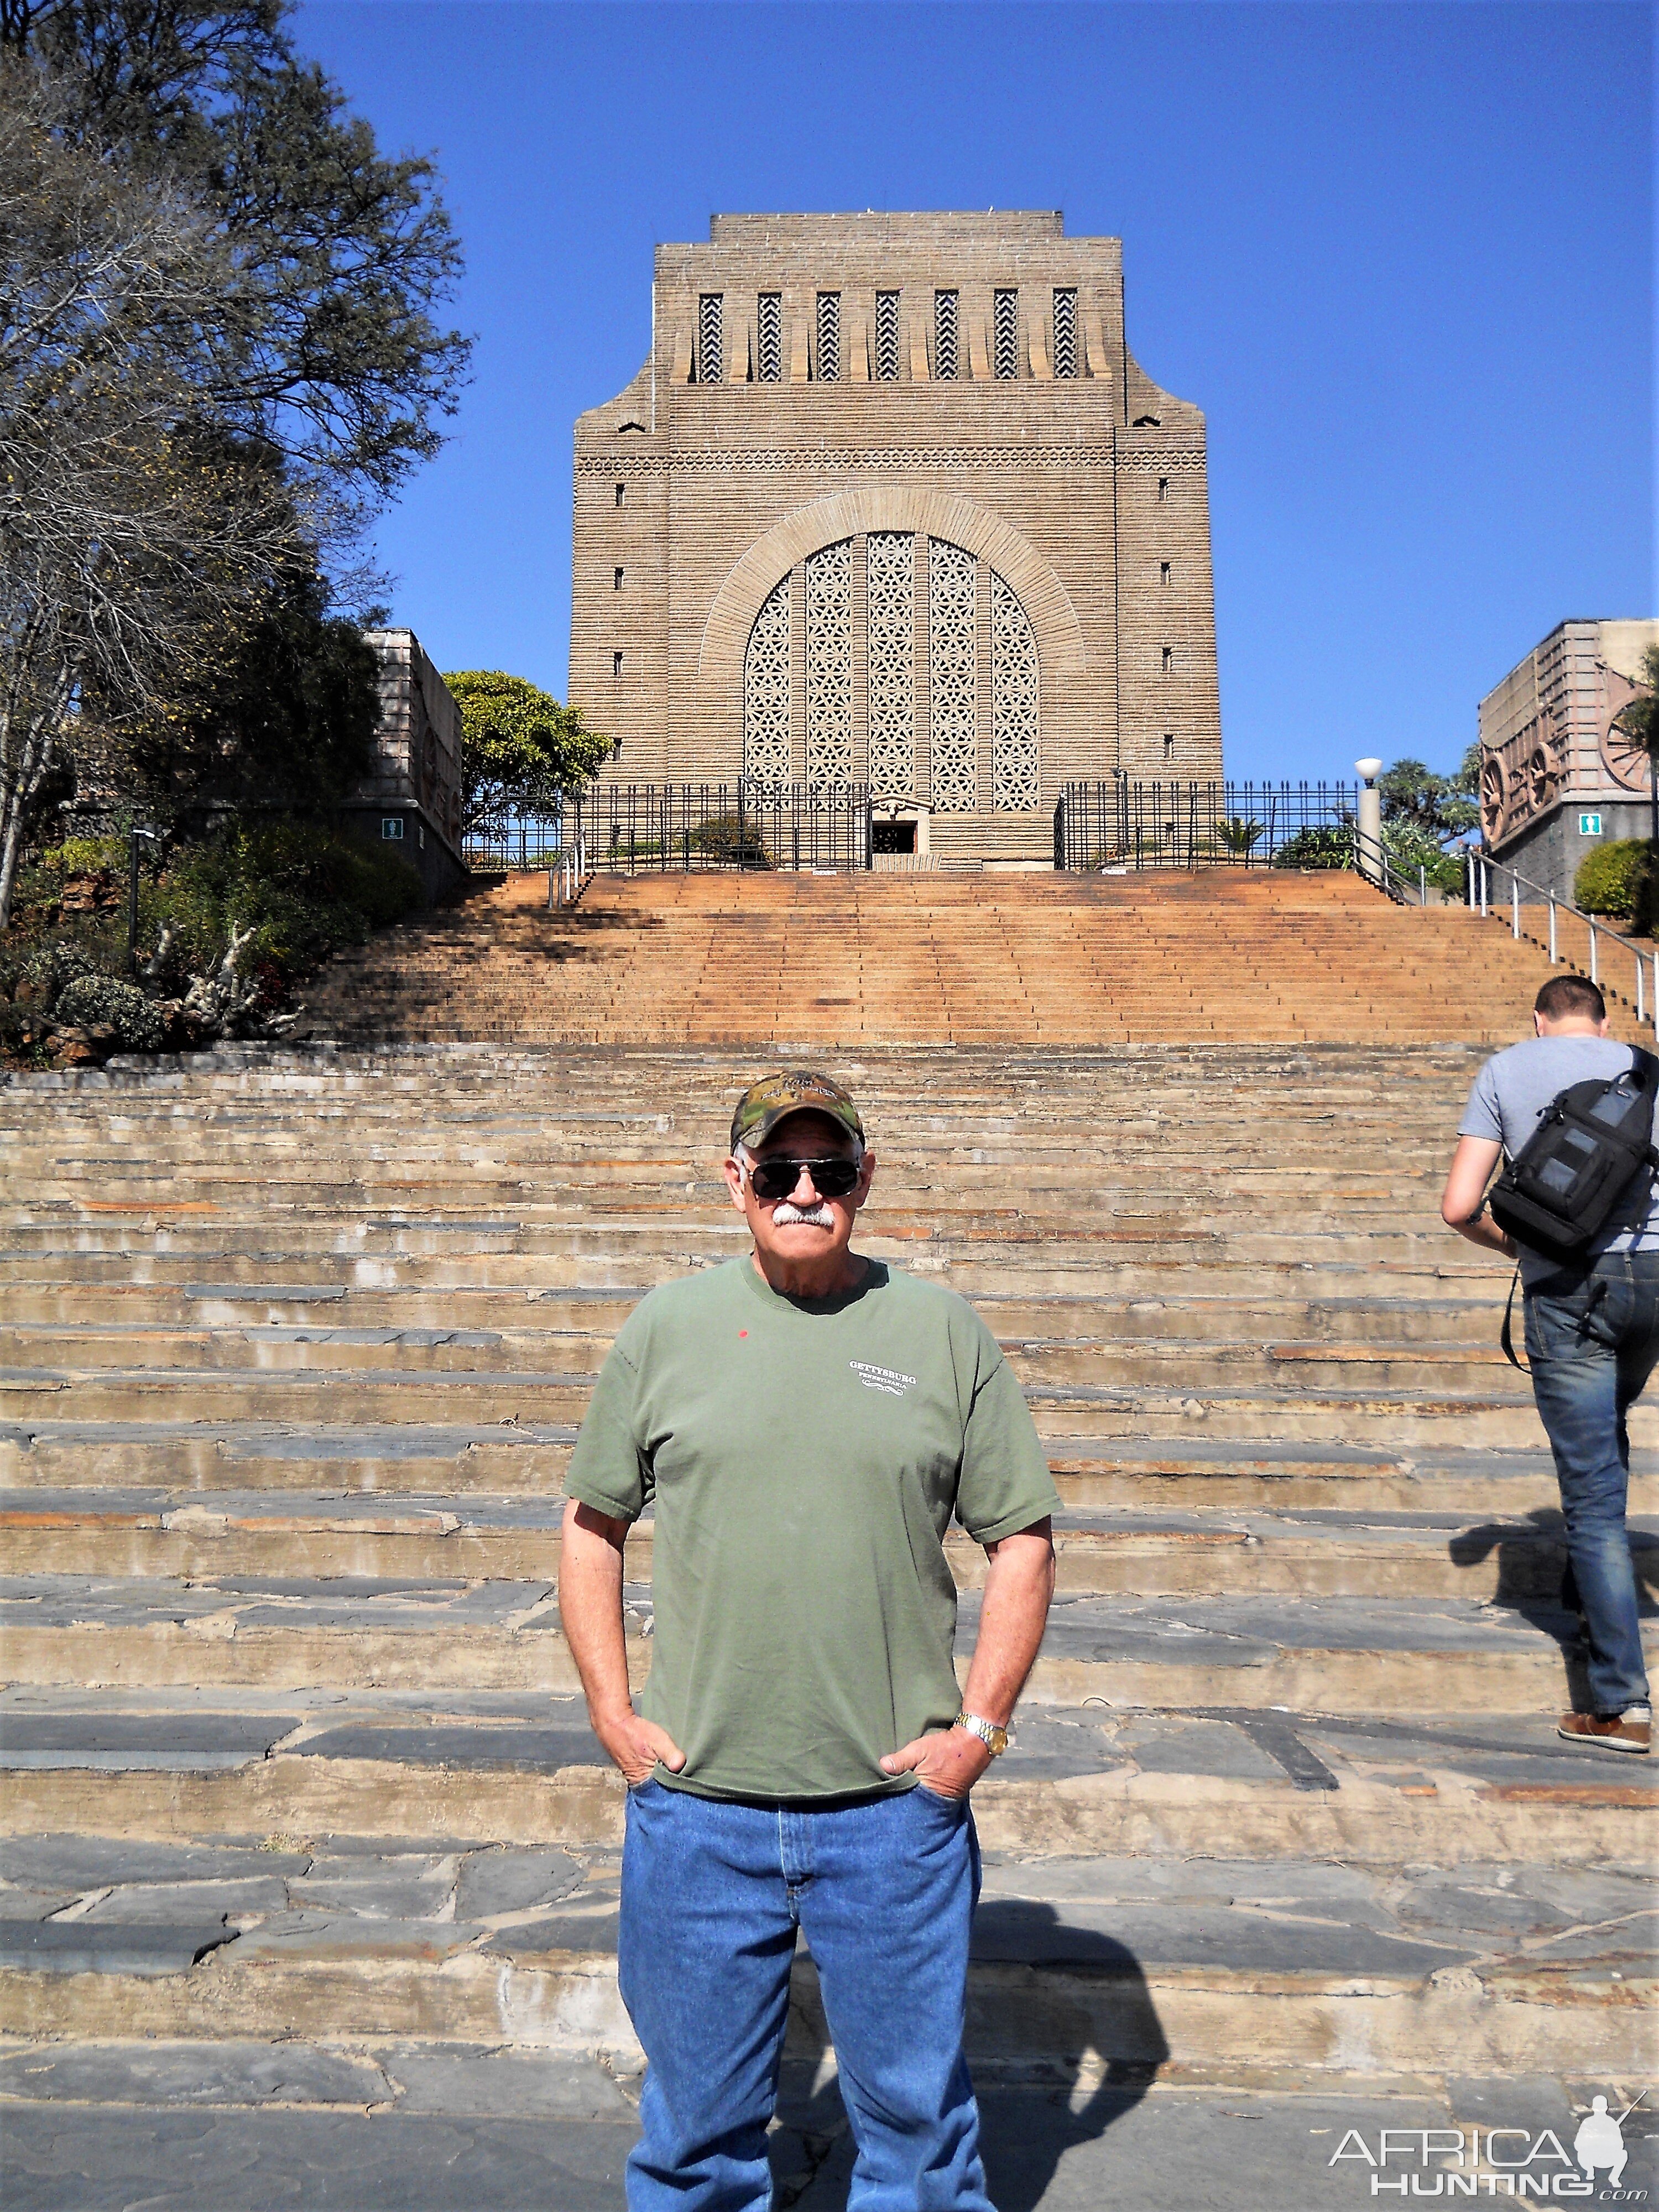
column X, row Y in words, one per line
column 308, row 1862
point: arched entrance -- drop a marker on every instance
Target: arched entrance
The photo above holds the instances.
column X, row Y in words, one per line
column 876, row 657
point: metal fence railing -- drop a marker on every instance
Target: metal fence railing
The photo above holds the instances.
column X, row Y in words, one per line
column 1119, row 823
column 1571, row 937
column 514, row 841
column 632, row 828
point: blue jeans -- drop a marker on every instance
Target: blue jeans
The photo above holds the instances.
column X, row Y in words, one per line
column 1593, row 1340
column 713, row 1894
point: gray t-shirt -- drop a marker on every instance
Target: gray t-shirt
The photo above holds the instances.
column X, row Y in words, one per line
column 1508, row 1100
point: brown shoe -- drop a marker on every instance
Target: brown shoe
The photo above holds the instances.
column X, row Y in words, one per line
column 1607, row 1731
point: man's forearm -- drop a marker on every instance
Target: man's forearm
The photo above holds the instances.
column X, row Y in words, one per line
column 590, row 1610
column 1484, row 1231
column 1012, row 1616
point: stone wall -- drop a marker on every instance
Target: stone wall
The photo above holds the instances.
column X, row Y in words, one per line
column 416, row 781
column 709, row 480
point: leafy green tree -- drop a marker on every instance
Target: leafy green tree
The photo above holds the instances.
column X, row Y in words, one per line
column 334, row 257
column 521, row 751
column 1443, row 806
column 286, row 720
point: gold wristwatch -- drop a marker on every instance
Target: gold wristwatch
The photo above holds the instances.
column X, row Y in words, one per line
column 995, row 1739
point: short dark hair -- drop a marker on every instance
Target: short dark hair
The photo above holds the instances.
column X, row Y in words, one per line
column 1563, row 996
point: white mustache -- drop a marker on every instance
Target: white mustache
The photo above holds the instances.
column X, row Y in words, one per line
column 815, row 1216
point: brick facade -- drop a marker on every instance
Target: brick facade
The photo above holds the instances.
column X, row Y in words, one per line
column 1551, row 759
column 778, row 442
column 416, row 781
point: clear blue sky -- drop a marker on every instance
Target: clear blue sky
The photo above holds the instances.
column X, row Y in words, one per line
column 1401, row 255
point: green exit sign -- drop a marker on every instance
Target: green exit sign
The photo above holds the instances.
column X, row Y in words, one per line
column 1589, row 825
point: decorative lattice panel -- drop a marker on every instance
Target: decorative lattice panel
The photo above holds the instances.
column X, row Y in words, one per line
column 1005, row 333
column 887, row 337
column 768, row 338
column 766, row 692
column 1013, row 702
column 946, row 333
column 891, row 555
column 711, row 338
column 830, row 665
column 1066, row 333
column 828, row 338
column 953, row 660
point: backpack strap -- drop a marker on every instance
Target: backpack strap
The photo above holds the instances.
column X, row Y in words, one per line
column 1507, row 1339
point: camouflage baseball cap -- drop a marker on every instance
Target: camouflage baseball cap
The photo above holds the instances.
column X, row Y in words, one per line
column 771, row 1101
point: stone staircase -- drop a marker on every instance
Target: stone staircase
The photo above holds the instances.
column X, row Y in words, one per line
column 1229, row 956
column 309, row 1861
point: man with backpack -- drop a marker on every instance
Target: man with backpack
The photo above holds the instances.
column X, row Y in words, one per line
column 1572, row 1110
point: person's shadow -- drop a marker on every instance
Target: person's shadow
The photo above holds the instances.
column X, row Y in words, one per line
column 1535, row 1578
column 1055, row 2004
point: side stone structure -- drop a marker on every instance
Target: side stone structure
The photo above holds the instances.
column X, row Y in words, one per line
column 1556, row 777
column 411, row 802
column 892, row 502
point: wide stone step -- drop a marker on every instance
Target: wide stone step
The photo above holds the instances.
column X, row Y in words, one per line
column 1140, row 1961
column 189, row 1765
column 1347, row 1654
column 91, row 1349
column 85, row 1326
column 397, row 1459
column 1354, row 1552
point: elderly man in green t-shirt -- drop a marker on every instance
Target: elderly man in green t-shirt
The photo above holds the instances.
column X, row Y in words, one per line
column 802, row 1423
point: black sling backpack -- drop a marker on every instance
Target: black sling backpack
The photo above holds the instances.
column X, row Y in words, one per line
column 1565, row 1184
column 1592, row 1141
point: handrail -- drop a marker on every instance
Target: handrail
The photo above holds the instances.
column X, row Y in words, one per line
column 568, row 877
column 1371, row 859
column 1481, row 869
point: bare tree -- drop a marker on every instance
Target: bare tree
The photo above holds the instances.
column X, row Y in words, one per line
column 137, row 529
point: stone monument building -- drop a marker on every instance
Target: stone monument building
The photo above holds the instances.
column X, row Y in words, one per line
column 892, row 503
column 1557, row 778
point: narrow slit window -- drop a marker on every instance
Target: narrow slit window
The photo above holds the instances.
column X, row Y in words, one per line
column 769, row 323
column 1005, row 333
column 946, row 326
column 1163, row 572
column 1065, row 332
column 616, row 579
column 1163, row 489
column 622, row 494
column 1168, row 660
column 1169, row 746
column 615, row 663
column 828, row 338
column 711, row 338
column 887, row 337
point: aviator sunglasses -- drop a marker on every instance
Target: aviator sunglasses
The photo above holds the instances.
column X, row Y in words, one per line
column 776, row 1178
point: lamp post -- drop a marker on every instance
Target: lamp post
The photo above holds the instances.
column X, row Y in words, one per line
column 1370, row 820
column 133, row 836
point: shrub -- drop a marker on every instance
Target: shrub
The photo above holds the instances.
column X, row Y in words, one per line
column 731, row 840
column 1614, row 879
column 303, row 890
column 1410, row 847
column 89, row 1002
column 50, row 971
column 1329, row 848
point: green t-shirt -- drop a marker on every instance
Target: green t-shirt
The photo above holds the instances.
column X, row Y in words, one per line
column 803, row 1458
